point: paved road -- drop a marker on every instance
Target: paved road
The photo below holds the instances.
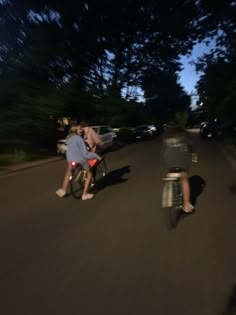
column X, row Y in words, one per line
column 114, row 255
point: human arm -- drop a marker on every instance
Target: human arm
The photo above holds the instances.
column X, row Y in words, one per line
column 89, row 155
column 82, row 150
column 94, row 137
column 92, row 155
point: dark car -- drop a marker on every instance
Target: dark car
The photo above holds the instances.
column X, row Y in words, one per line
column 211, row 130
column 124, row 134
column 130, row 134
column 144, row 132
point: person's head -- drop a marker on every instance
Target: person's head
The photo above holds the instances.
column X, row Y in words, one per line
column 83, row 124
column 74, row 130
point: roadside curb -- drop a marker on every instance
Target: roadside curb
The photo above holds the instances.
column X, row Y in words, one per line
column 27, row 165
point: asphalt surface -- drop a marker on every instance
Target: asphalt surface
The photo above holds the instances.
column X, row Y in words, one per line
column 114, row 254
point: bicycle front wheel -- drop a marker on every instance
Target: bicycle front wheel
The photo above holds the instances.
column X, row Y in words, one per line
column 77, row 182
column 101, row 171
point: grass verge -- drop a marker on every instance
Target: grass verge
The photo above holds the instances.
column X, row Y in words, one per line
column 20, row 156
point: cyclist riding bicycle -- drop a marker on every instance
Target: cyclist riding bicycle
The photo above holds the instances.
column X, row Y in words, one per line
column 90, row 137
column 92, row 141
column 178, row 153
column 77, row 152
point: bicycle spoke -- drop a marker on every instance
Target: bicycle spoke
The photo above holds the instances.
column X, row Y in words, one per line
column 77, row 182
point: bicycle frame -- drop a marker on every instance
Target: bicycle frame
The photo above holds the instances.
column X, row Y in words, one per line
column 91, row 163
column 79, row 175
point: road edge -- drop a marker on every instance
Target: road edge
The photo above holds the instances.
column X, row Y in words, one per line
column 28, row 165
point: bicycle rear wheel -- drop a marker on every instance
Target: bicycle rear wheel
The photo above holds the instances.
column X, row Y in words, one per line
column 77, row 181
column 175, row 209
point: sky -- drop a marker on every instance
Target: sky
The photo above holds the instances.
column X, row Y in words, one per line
column 189, row 76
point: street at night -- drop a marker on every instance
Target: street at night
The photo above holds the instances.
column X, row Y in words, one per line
column 114, row 254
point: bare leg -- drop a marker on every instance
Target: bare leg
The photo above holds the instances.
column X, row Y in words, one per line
column 67, row 177
column 186, row 192
column 87, row 182
column 61, row 192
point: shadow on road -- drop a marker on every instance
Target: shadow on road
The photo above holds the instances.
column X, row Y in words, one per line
column 231, row 303
column 232, row 188
column 113, row 178
column 197, row 185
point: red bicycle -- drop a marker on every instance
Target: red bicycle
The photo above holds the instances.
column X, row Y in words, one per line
column 79, row 175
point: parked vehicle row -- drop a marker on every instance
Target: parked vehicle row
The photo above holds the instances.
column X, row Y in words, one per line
column 136, row 133
column 108, row 135
column 215, row 130
column 210, row 130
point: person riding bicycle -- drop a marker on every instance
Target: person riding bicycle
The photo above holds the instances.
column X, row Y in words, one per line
column 92, row 141
column 178, row 153
column 77, row 152
column 91, row 137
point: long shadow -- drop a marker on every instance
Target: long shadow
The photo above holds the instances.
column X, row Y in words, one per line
column 114, row 177
column 232, row 188
column 230, row 308
column 197, row 185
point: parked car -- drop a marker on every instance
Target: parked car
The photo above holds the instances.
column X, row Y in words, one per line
column 61, row 146
column 211, row 130
column 135, row 133
column 144, row 131
column 124, row 133
column 105, row 133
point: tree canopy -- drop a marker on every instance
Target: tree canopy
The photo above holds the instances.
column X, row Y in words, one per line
column 87, row 58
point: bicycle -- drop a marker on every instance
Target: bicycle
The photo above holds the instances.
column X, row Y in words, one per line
column 79, row 175
column 172, row 196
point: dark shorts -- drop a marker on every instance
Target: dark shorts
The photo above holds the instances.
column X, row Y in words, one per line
column 175, row 157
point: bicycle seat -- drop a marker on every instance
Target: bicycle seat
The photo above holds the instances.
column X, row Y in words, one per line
column 175, row 170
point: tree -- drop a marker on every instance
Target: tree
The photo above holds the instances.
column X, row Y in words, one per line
column 164, row 96
column 217, row 90
column 88, row 48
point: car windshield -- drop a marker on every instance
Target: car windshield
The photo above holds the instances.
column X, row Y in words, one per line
column 95, row 129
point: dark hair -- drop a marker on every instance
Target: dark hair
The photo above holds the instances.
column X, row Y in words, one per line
column 83, row 124
column 73, row 130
